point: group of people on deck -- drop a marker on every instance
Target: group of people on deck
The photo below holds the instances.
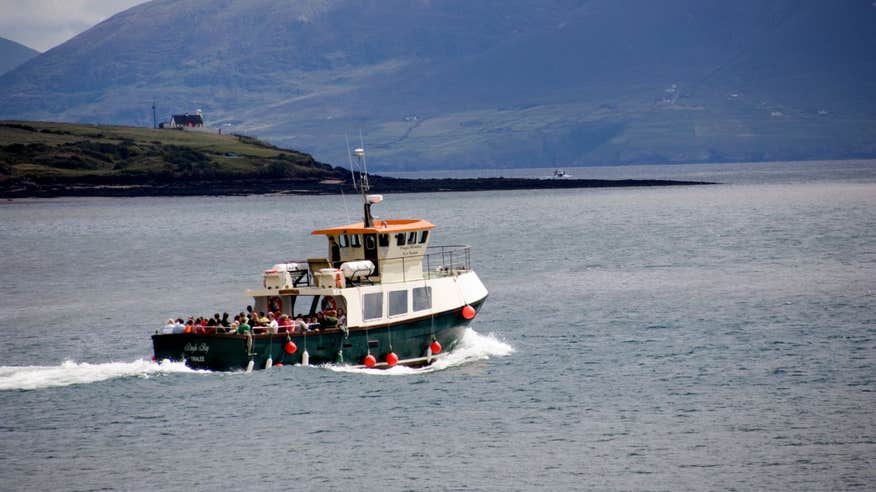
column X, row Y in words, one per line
column 257, row 323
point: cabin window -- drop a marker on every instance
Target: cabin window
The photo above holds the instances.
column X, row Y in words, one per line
column 370, row 243
column 422, row 298
column 384, row 240
column 372, row 306
column 355, row 241
column 412, row 237
column 424, row 236
column 303, row 305
column 398, row 302
column 400, row 239
column 343, row 241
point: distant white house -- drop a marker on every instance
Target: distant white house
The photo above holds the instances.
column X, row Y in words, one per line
column 186, row 121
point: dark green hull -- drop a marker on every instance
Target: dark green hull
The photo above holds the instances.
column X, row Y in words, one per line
column 226, row 352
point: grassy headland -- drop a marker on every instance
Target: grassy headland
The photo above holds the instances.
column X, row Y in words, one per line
column 65, row 159
column 58, row 152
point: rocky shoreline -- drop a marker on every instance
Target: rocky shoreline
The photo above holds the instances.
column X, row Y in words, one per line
column 257, row 186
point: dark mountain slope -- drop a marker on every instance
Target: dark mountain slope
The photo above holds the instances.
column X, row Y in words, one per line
column 488, row 83
column 13, row 54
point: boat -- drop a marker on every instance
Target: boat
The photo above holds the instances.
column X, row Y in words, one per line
column 561, row 174
column 383, row 295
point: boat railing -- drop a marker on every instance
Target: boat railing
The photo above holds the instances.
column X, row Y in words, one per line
column 438, row 261
column 441, row 261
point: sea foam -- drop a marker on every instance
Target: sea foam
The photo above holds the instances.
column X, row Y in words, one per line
column 69, row 372
column 472, row 347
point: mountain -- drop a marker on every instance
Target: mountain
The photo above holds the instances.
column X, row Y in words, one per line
column 13, row 54
column 499, row 83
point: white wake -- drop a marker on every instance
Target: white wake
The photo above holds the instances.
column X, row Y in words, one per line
column 69, row 372
column 472, row 347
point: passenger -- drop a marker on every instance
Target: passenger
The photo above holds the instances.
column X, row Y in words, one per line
column 225, row 321
column 300, row 325
column 326, row 321
column 179, row 327
column 342, row 318
column 211, row 322
column 190, row 326
column 285, row 323
column 243, row 327
column 168, row 328
column 263, row 320
column 273, row 326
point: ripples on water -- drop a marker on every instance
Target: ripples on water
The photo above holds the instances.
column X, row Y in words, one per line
column 689, row 338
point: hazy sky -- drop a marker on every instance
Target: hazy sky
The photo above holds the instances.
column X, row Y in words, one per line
column 44, row 24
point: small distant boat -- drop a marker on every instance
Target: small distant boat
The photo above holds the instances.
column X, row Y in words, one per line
column 560, row 174
column 388, row 297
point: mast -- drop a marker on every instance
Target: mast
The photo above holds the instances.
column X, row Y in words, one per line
column 364, row 187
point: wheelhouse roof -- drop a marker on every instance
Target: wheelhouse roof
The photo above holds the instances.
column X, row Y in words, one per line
column 380, row 227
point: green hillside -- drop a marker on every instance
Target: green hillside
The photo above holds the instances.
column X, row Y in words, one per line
column 58, row 152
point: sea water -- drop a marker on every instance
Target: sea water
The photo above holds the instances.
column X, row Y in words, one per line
column 703, row 337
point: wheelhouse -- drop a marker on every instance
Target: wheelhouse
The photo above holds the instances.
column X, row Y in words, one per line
column 395, row 248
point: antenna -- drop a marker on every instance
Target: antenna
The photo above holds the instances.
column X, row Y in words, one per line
column 344, row 198
column 154, row 117
column 350, row 158
column 364, row 162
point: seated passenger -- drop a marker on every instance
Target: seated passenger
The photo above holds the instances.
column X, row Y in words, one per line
column 243, row 327
column 272, row 325
column 179, row 327
column 327, row 321
column 168, row 327
column 285, row 323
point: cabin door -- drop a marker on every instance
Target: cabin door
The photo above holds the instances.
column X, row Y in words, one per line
column 371, row 251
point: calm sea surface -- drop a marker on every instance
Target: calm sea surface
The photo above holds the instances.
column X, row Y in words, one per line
column 694, row 338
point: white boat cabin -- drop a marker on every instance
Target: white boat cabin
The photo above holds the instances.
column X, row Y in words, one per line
column 376, row 273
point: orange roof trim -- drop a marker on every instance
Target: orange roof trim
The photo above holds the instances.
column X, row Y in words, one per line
column 380, row 227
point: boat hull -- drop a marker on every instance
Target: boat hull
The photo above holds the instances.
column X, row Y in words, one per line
column 409, row 340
